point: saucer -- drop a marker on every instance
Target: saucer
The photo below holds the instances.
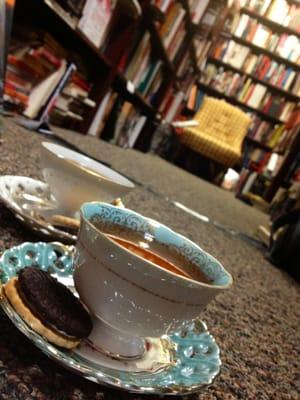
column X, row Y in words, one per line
column 32, row 203
column 177, row 364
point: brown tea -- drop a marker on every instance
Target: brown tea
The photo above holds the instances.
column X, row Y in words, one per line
column 180, row 268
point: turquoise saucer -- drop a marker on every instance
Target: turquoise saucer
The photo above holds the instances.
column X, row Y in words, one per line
column 196, row 360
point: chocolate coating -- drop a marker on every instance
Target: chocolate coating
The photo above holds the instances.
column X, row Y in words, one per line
column 53, row 303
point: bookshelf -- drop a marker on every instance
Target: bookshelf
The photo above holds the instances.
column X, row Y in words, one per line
column 255, row 65
column 105, row 74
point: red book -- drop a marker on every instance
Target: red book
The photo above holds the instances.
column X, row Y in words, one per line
column 11, row 59
column 249, row 93
column 10, row 76
column 268, row 104
column 281, row 78
column 20, row 88
column 82, row 83
column 48, row 56
column 10, row 91
column 264, row 69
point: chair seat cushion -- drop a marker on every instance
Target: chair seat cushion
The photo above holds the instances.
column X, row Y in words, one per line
column 211, row 146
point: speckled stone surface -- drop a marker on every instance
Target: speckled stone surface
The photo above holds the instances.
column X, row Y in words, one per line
column 256, row 324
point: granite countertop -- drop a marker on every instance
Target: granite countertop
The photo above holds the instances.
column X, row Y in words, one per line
column 256, row 324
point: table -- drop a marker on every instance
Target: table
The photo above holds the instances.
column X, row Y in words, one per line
column 256, row 324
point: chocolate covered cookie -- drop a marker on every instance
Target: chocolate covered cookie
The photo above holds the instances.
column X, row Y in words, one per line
column 48, row 307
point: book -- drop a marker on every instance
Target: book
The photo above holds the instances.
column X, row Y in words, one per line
column 192, row 98
column 95, row 20
column 197, row 9
column 40, row 93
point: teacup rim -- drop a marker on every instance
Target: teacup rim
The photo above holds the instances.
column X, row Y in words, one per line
column 180, row 277
column 129, row 184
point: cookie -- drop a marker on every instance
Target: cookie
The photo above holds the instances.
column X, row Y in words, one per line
column 48, row 307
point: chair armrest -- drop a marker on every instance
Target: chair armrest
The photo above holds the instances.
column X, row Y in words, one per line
column 185, row 124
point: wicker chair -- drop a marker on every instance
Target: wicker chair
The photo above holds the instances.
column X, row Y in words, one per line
column 220, row 132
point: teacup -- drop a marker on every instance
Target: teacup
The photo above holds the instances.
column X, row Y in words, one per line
column 131, row 297
column 75, row 179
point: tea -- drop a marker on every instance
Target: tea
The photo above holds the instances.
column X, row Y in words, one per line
column 141, row 248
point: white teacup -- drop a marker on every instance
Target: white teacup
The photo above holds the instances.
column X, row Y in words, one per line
column 75, row 179
column 130, row 297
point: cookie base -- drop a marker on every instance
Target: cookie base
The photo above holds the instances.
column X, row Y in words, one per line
column 11, row 292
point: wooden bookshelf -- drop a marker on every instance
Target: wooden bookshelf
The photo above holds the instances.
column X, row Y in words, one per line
column 270, row 23
column 273, row 88
column 259, row 50
column 103, row 72
column 238, row 103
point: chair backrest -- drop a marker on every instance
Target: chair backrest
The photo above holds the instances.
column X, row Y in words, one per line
column 222, row 120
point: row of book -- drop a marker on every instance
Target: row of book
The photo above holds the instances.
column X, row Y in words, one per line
column 261, row 66
column 202, row 47
column 256, row 159
column 117, row 121
column 197, row 8
column 250, row 182
column 144, row 72
column 281, row 11
column 121, row 122
column 278, row 137
column 173, row 30
column 246, row 91
column 285, row 45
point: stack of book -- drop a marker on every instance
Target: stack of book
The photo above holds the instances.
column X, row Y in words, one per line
column 36, row 63
column 243, row 89
column 285, row 45
column 73, row 102
column 282, row 12
column 172, row 31
column 144, row 72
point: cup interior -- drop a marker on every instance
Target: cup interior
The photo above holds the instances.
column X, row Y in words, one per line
column 104, row 219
